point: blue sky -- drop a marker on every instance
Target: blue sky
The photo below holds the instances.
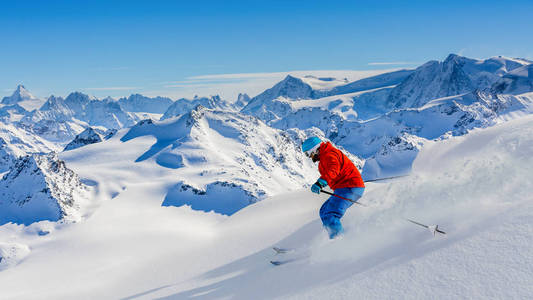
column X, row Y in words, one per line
column 158, row 47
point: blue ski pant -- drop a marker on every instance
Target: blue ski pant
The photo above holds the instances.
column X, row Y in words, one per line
column 334, row 208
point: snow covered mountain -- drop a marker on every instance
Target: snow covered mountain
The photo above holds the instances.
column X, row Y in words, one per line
column 16, row 106
column 41, row 187
column 59, row 120
column 54, row 121
column 434, row 101
column 518, row 81
column 12, row 113
column 221, row 160
column 89, row 136
column 140, row 103
column 272, row 103
column 184, row 105
column 242, row 101
column 18, row 142
column 454, row 76
column 278, row 102
column 379, row 119
column 364, row 117
column 19, row 95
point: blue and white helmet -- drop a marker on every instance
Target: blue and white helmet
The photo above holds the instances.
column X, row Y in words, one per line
column 311, row 144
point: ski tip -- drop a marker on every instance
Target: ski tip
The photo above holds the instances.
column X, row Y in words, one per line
column 281, row 250
column 438, row 230
column 276, row 263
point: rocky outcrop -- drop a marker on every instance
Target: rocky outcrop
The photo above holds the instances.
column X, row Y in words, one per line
column 41, row 187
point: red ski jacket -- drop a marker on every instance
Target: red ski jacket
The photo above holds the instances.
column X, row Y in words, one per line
column 337, row 169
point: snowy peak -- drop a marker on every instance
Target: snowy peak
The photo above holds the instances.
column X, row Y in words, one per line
column 223, row 160
column 89, row 136
column 270, row 104
column 19, row 95
column 290, row 87
column 242, row 101
column 77, row 101
column 454, row 76
column 140, row 103
column 508, row 65
column 184, row 105
column 40, row 187
column 276, row 102
column 53, row 103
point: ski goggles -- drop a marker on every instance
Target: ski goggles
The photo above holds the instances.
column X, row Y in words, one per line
column 311, row 152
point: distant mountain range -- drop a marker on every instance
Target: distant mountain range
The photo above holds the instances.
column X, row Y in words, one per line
column 250, row 148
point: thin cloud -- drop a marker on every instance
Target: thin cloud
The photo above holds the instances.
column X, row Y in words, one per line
column 392, row 63
column 189, row 85
column 113, row 88
column 228, row 86
column 240, row 76
column 206, row 80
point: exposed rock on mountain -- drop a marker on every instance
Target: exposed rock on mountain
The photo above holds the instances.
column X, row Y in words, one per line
column 242, row 101
column 89, row 136
column 7, row 156
column 41, row 187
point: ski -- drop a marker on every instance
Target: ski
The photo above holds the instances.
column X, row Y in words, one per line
column 282, row 262
column 282, row 250
column 287, row 255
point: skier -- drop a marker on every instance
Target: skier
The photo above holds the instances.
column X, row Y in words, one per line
column 339, row 172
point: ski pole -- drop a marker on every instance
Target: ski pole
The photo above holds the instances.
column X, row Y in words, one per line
column 371, row 180
column 385, row 178
column 326, row 192
column 432, row 228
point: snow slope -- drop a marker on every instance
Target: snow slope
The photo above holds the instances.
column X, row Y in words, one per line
column 215, row 160
column 476, row 187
